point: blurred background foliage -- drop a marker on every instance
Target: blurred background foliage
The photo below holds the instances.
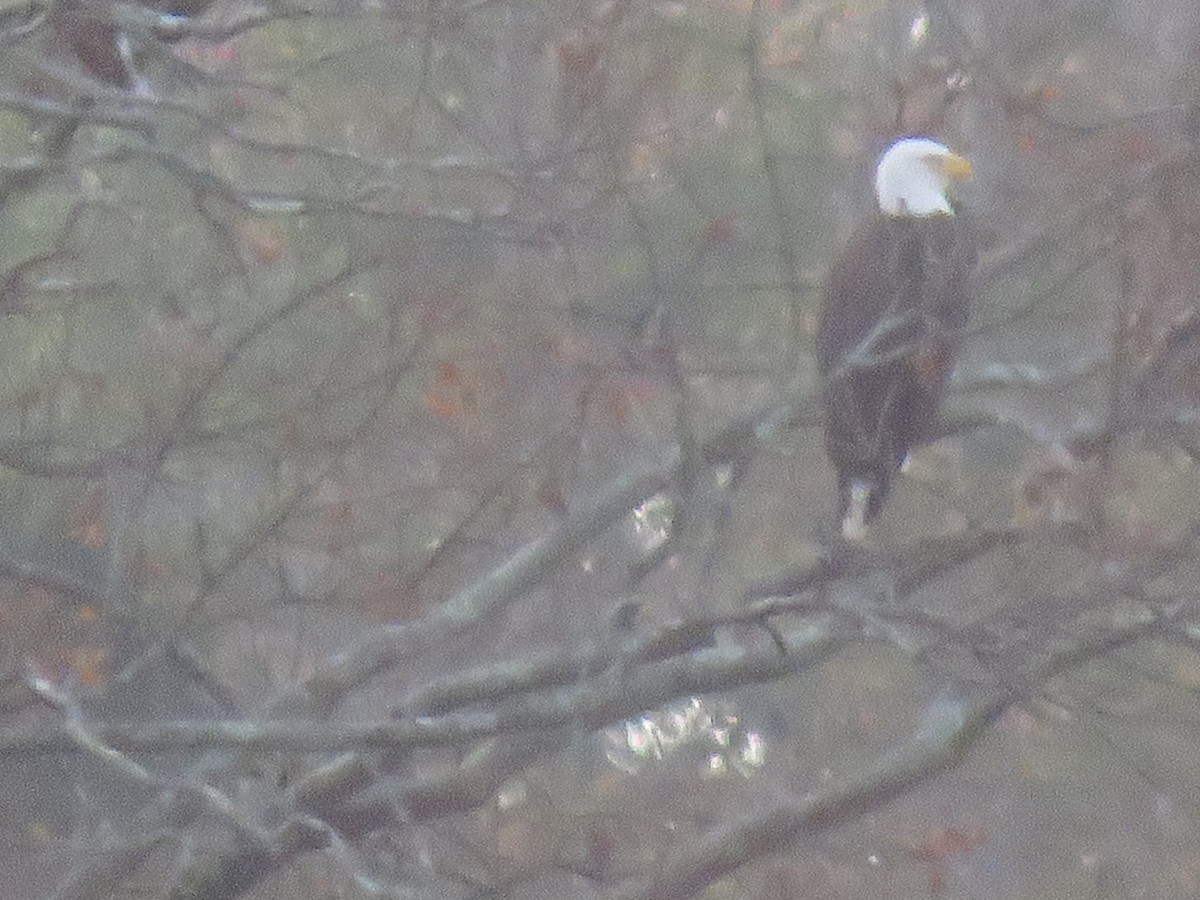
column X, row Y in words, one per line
column 365, row 361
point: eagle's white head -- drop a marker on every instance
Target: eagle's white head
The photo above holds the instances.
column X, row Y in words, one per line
column 912, row 177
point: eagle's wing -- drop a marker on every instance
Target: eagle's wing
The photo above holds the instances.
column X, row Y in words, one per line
column 895, row 306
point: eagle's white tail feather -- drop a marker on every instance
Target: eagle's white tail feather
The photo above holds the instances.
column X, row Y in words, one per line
column 858, row 501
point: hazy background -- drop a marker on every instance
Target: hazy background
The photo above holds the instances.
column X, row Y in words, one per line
column 411, row 485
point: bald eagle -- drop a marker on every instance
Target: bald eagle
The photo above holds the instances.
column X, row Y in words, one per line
column 894, row 307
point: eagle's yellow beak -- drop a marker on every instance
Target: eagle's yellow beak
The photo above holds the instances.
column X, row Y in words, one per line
column 955, row 166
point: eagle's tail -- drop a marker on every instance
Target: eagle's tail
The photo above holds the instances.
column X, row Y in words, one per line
column 861, row 499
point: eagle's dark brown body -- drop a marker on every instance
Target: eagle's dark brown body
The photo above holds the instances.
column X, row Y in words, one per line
column 893, row 312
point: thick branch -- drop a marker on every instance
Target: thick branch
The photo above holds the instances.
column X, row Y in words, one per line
column 952, row 725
